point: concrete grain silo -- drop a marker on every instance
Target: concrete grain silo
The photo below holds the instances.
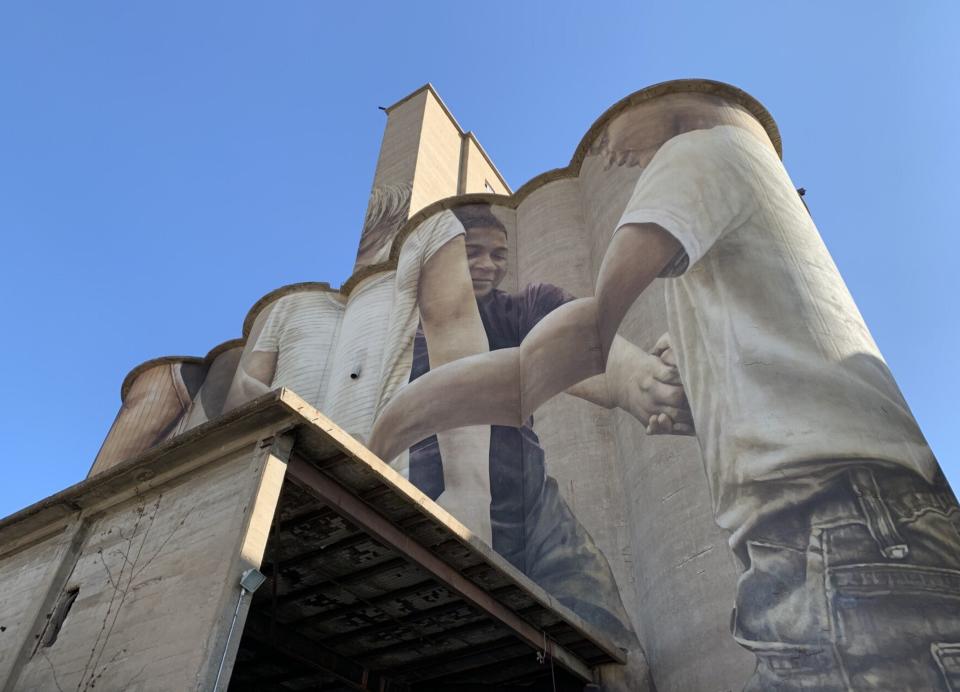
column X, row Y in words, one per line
column 622, row 428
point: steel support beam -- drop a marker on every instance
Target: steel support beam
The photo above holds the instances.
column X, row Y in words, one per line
column 364, row 516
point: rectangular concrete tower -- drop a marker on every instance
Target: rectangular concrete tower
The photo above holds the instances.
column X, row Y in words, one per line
column 425, row 156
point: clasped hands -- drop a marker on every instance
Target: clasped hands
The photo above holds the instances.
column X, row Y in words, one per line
column 648, row 386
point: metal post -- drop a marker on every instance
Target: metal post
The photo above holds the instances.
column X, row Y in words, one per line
column 250, row 581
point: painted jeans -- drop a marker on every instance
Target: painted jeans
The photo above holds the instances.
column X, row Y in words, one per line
column 857, row 590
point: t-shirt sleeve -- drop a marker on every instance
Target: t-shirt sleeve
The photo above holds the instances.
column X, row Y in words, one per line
column 538, row 301
column 698, row 186
column 436, row 232
column 417, row 249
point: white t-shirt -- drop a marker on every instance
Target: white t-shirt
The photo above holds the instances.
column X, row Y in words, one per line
column 786, row 384
column 302, row 330
column 318, row 339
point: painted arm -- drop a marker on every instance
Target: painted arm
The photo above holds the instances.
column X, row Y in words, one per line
column 567, row 346
column 453, row 329
column 253, row 378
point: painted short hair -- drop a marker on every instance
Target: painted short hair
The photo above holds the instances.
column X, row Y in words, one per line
column 478, row 216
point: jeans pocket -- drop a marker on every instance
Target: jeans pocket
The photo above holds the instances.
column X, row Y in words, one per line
column 947, row 657
column 934, row 537
column 780, row 618
column 780, row 596
column 888, row 618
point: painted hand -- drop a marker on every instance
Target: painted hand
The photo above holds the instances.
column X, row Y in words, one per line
column 649, row 388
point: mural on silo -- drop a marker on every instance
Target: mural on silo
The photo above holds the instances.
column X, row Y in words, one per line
column 846, row 535
column 838, row 512
column 208, row 403
column 155, row 398
column 530, row 522
column 289, row 346
column 387, row 209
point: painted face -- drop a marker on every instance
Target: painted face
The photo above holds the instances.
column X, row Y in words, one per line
column 487, row 258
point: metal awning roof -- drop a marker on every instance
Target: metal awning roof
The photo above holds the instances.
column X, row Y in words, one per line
column 371, row 585
column 374, row 586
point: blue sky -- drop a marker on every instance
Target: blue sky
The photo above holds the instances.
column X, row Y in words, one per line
column 163, row 165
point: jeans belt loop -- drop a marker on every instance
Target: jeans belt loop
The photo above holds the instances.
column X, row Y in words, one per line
column 879, row 520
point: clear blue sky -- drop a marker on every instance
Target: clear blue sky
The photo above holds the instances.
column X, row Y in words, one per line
column 163, row 165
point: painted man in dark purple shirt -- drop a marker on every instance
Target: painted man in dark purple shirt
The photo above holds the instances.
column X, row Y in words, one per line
column 532, row 525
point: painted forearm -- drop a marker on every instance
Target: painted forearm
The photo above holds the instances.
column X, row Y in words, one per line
column 466, row 477
column 606, row 389
column 593, row 389
column 488, row 388
column 479, row 390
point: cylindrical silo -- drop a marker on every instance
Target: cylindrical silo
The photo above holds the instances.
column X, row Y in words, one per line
column 684, row 575
column 291, row 334
column 208, row 403
column 155, row 396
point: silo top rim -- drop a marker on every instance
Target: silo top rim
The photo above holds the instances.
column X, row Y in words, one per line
column 684, row 86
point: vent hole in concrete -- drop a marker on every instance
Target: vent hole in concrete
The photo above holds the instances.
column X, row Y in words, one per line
column 60, row 613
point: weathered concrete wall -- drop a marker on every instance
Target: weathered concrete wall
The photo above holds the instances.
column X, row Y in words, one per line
column 165, row 560
column 26, row 575
column 397, row 160
column 478, row 172
column 438, row 158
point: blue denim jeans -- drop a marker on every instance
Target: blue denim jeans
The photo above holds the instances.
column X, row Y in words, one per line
column 857, row 589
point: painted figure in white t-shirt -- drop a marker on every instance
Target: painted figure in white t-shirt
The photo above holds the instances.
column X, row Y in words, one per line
column 846, row 529
column 290, row 346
